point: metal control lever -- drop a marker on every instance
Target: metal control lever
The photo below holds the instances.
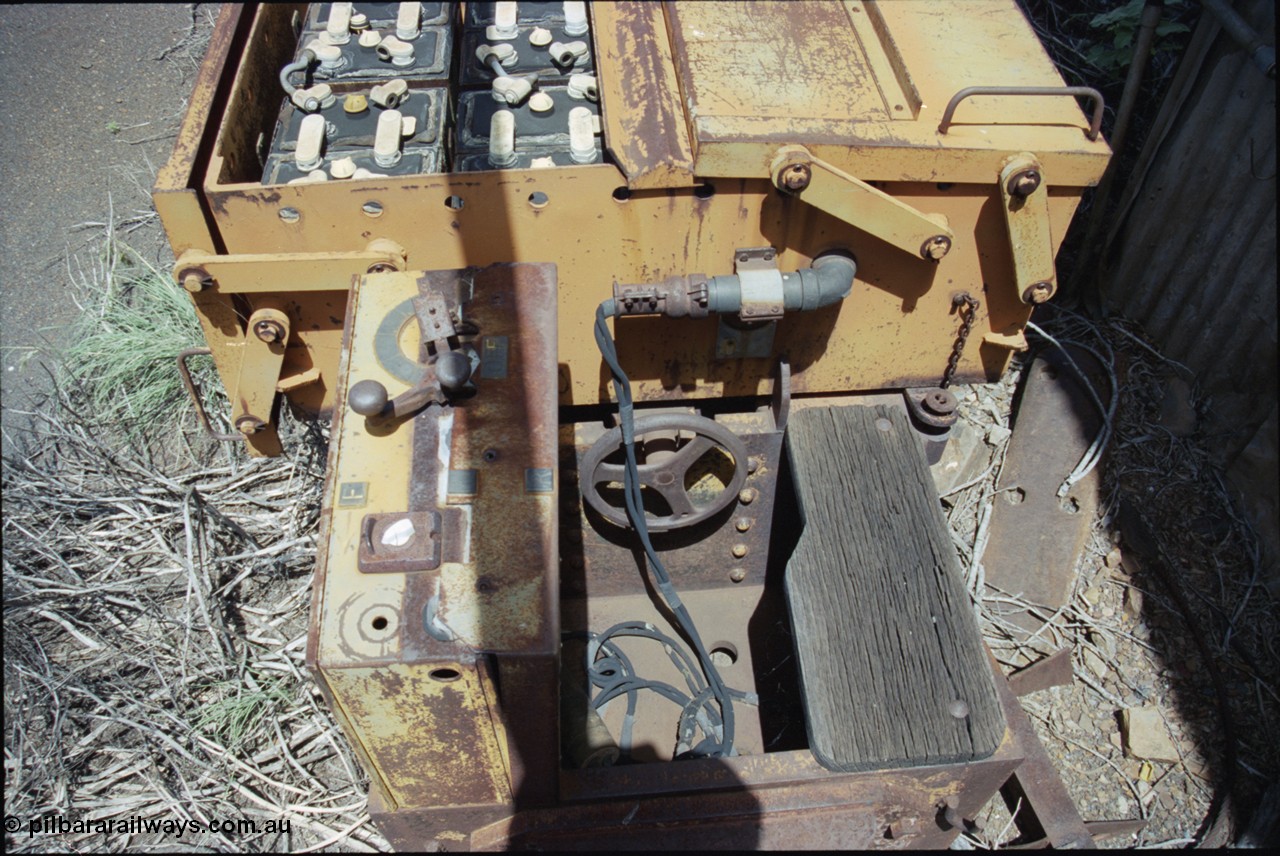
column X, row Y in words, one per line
column 445, row 375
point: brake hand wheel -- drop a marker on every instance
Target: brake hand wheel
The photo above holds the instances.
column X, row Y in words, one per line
column 666, row 477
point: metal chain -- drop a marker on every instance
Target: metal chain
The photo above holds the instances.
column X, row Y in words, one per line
column 960, row 301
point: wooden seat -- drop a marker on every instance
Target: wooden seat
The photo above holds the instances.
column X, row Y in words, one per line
column 892, row 667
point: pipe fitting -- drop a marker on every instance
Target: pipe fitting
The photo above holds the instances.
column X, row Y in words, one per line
column 408, row 20
column 540, row 37
column 583, row 87
column 398, row 53
column 511, row 90
column 828, row 281
column 504, row 53
column 391, row 94
column 369, row 39
column 567, row 53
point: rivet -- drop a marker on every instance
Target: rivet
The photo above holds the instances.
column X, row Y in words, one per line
column 739, row 550
column 747, row 495
column 737, row 575
column 743, row 524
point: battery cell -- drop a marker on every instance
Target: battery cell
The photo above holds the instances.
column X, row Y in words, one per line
column 432, row 51
column 540, row 12
column 530, row 58
column 527, row 159
column 380, row 15
column 281, row 169
column 425, row 105
column 547, row 130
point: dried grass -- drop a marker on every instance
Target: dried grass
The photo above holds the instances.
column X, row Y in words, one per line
column 156, row 603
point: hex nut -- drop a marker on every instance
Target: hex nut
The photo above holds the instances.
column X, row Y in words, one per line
column 1023, row 183
column 269, row 331
column 249, row 424
column 196, row 281
column 797, row 176
column 936, row 247
column 1038, row 293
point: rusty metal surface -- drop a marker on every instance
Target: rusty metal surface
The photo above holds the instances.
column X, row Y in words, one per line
column 846, row 813
column 432, row 741
column 598, row 558
column 742, row 103
column 640, row 95
column 400, row 652
column 1052, row 671
column 1035, row 536
column 1052, row 813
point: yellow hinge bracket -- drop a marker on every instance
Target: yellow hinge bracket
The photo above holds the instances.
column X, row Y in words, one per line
column 1025, row 197
column 796, row 171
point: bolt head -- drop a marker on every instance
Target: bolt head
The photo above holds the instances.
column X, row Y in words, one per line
column 196, row 281
column 1038, row 293
column 936, row 247
column 797, row 176
column 269, row 331
column 1024, row 182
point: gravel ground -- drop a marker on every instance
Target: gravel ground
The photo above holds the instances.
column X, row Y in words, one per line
column 1136, row 643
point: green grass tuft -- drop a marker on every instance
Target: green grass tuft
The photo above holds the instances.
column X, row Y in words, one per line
column 123, row 346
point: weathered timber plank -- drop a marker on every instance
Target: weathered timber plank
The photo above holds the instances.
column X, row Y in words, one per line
column 887, row 641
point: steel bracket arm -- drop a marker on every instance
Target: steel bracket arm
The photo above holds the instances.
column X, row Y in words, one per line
column 797, row 172
column 1025, row 198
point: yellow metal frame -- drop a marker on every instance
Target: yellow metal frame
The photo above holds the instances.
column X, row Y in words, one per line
column 895, row 330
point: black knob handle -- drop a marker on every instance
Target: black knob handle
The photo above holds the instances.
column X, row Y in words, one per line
column 368, row 398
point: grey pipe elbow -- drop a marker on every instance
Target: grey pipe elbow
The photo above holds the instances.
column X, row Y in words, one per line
column 828, row 281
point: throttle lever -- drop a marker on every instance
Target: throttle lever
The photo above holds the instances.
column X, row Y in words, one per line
column 447, row 373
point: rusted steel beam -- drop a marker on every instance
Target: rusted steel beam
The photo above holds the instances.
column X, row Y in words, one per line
column 1052, row 671
column 1052, row 814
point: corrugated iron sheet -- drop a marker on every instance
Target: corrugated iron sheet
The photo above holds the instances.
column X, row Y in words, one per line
column 1193, row 257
